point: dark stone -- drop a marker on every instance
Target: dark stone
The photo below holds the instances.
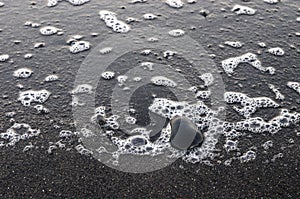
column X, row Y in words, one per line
column 184, row 133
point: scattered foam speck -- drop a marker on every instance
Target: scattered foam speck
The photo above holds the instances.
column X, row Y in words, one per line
column 82, row 88
column 276, row 91
column 79, row 46
column 48, row 30
column 51, row 78
column 271, row 1
column 176, row 32
column 149, row 16
column 234, row 44
column 108, row 75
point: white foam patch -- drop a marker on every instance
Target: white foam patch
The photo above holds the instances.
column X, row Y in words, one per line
column 262, row 44
column 83, row 89
column 176, row 33
column 138, row 1
column 175, row 3
column 39, row 45
column 147, row 65
column 203, row 94
column 271, row 1
column 79, row 46
column 276, row 91
column 163, row 81
column 250, row 105
column 1, row 4
column 105, row 50
column 248, row 156
column 78, row 2
column 111, row 21
column 52, row 3
column 230, row 64
column 48, row 30
column 122, row 79
column 149, row 16
column 243, row 10
column 276, row 51
column 28, row 56
column 39, row 96
column 4, row 57
column 207, row 78
column 16, row 133
column 234, row 44
column 41, row 109
column 22, row 73
column 295, row 86
column 51, row 78
column 108, row 75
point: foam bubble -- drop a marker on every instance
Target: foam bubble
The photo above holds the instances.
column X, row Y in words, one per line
column 105, row 50
column 262, row 44
column 276, row 51
column 27, row 97
column 4, row 57
column 149, row 16
column 174, row 3
column 78, row 2
column 79, row 46
column 176, row 32
column 234, row 44
column 295, row 86
column 163, row 81
column 51, row 78
column 243, row 10
column 108, row 75
column 41, row 109
column 28, row 56
column 22, row 73
column 83, row 88
column 48, row 30
column 271, row 1
column 39, row 45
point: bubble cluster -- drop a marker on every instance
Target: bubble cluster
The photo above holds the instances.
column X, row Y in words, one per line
column 267, row 145
column 230, row 64
column 248, row 156
column 234, row 44
column 276, row 51
column 176, row 33
column 163, row 81
column 250, row 105
column 243, row 10
column 203, row 94
column 41, row 109
column 147, row 65
column 27, row 97
column 276, row 91
column 108, row 75
column 295, row 86
column 16, row 133
column 258, row 125
column 22, row 73
column 79, row 46
column 122, row 79
column 231, row 145
column 174, row 3
column 111, row 21
column 4, row 57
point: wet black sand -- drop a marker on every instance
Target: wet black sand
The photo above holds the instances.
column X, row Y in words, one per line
column 67, row 174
